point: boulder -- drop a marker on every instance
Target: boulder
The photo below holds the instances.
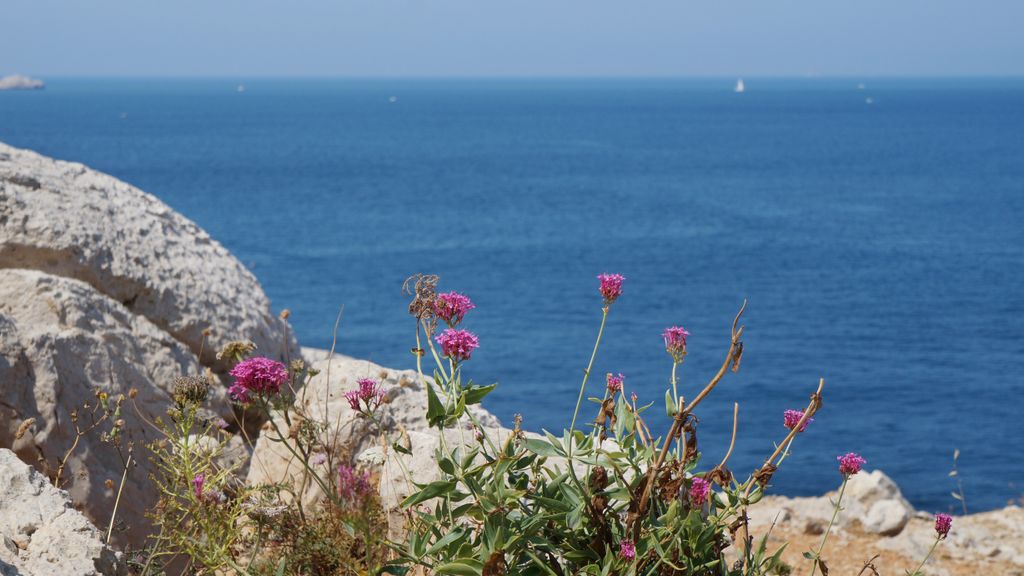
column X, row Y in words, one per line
column 67, row 220
column 873, row 499
column 41, row 533
column 104, row 289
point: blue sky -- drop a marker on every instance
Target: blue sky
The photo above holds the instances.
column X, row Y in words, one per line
column 512, row 38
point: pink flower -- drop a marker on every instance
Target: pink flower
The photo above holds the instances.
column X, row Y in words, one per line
column 452, row 307
column 611, row 287
column 367, row 397
column 700, row 489
column 197, row 485
column 261, row 376
column 943, row 522
column 615, row 382
column 850, row 464
column 790, row 418
column 318, row 459
column 353, row 486
column 675, row 342
column 627, row 550
column 457, row 344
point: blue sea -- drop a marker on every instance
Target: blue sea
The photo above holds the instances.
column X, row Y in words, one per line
column 876, row 231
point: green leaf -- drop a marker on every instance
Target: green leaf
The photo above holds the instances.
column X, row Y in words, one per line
column 432, row 490
column 445, row 541
column 399, row 448
column 461, row 567
column 435, row 410
column 542, row 447
column 281, row 566
column 476, row 394
column 394, row 569
column 670, row 404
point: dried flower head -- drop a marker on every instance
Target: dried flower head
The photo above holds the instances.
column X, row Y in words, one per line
column 850, row 463
column 675, row 342
column 700, row 489
column 23, row 428
column 457, row 344
column 452, row 307
column 611, row 287
column 423, row 287
column 285, row 314
column 943, row 522
column 236, row 350
column 790, row 418
column 627, row 550
column 615, row 382
column 189, row 390
column 260, row 376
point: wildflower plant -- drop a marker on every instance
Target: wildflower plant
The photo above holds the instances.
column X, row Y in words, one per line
column 607, row 498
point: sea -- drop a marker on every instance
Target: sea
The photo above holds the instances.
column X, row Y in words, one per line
column 875, row 227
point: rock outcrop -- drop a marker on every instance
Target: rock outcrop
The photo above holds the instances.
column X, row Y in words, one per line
column 40, row 533
column 104, row 289
column 19, row 82
column 402, row 417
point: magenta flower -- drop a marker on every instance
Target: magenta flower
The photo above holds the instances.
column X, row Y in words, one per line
column 457, row 344
column 675, row 342
column 452, row 307
column 943, row 522
column 700, row 489
column 353, row 486
column 261, row 376
column 611, row 287
column 850, row 464
column 627, row 550
column 367, row 397
column 197, row 485
column 790, row 418
column 615, row 382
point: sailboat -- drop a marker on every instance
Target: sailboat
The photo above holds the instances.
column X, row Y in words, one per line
column 739, row 86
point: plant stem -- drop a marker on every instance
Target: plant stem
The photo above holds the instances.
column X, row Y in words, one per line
column 586, row 375
column 113, row 514
column 927, row 556
column 835, row 514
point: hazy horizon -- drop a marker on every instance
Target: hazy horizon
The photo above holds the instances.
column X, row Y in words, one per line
column 529, row 39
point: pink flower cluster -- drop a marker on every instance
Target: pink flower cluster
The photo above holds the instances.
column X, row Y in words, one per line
column 367, row 397
column 353, row 486
column 627, row 550
column 850, row 463
column 260, row 376
column 611, row 287
column 790, row 418
column 700, row 490
column 615, row 382
column 452, row 307
column 675, row 342
column 943, row 522
column 457, row 344
column 197, row 485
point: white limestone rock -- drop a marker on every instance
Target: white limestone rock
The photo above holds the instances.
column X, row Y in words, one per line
column 42, row 533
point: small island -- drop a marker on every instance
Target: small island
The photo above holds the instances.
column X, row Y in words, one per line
column 19, row 82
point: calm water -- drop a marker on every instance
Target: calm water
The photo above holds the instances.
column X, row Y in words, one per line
column 880, row 244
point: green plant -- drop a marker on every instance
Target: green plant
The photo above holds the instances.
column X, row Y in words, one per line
column 612, row 500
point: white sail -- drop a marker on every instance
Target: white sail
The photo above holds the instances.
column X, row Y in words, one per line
column 739, row 86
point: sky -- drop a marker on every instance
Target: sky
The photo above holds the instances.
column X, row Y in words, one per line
column 517, row 38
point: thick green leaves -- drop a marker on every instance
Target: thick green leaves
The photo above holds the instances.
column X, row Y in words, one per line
column 432, row 490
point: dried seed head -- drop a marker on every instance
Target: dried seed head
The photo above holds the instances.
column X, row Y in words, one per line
column 24, row 428
column 190, row 390
column 109, row 484
column 236, row 350
column 285, row 314
column 133, row 393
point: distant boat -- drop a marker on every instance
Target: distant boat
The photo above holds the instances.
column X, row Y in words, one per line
column 240, row 88
column 393, row 99
column 861, row 86
column 740, row 88
column 869, row 100
column 19, row 82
